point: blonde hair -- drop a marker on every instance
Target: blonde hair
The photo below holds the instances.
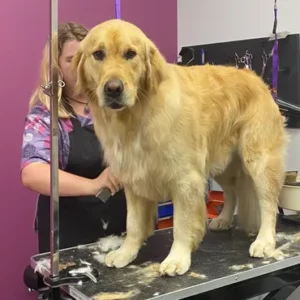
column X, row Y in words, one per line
column 66, row 32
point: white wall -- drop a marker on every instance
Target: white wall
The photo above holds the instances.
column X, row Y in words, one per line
column 212, row 21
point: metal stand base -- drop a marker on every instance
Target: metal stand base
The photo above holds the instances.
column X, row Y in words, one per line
column 72, row 275
column 67, row 277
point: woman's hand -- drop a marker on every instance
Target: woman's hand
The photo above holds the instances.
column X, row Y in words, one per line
column 106, row 179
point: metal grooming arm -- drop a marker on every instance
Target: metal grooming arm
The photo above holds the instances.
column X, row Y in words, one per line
column 54, row 207
column 51, row 90
column 79, row 273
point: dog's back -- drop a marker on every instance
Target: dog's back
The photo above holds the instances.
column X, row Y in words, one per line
column 228, row 106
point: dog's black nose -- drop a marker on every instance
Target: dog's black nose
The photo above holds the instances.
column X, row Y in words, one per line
column 114, row 88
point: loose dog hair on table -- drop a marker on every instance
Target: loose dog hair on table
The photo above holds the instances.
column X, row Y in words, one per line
column 166, row 128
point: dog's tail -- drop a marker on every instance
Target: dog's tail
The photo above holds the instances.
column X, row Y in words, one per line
column 249, row 216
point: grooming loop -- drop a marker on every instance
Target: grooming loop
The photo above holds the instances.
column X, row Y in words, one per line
column 118, row 9
column 48, row 87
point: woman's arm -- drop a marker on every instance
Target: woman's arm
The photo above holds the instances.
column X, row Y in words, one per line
column 35, row 162
column 36, row 177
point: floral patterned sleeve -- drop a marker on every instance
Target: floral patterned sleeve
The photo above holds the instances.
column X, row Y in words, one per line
column 36, row 137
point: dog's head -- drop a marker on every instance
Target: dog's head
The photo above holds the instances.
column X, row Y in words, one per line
column 118, row 65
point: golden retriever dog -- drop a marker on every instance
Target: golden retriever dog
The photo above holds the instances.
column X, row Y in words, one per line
column 165, row 129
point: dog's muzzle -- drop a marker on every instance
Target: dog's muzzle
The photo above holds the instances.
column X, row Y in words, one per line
column 113, row 93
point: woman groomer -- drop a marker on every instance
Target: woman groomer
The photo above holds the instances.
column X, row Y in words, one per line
column 83, row 217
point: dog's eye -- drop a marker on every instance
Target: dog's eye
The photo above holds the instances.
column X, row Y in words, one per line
column 99, row 55
column 130, row 54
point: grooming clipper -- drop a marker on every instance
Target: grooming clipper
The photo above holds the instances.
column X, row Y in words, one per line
column 104, row 194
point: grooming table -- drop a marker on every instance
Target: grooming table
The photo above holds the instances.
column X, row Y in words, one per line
column 221, row 269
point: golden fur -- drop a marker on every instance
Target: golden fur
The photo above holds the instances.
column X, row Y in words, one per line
column 178, row 126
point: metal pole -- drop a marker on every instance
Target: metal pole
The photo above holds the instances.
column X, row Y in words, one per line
column 54, row 199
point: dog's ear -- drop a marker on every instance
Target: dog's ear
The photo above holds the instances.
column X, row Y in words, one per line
column 78, row 67
column 155, row 67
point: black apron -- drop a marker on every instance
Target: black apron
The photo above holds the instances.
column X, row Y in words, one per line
column 84, row 219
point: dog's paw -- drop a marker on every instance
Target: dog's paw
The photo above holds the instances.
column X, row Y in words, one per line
column 173, row 266
column 120, row 258
column 262, row 248
column 220, row 224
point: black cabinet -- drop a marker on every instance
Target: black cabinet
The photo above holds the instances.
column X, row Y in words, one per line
column 229, row 53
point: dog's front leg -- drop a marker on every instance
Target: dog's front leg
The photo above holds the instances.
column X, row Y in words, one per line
column 141, row 214
column 189, row 224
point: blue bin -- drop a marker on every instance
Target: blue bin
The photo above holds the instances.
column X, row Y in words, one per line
column 165, row 210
